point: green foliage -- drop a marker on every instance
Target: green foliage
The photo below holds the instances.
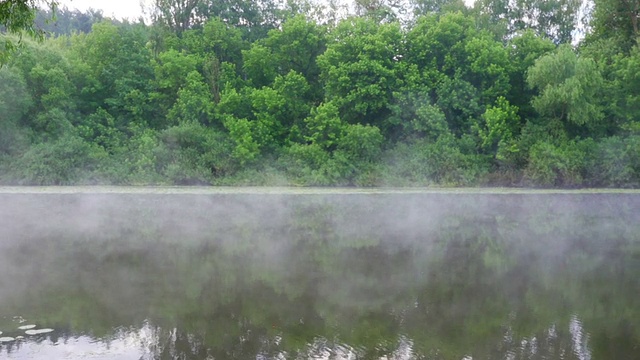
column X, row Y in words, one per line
column 361, row 143
column 191, row 153
column 260, row 65
column 296, row 46
column 489, row 67
column 194, row 102
column 306, row 164
column 242, row 133
column 417, row 117
column 569, row 87
column 461, row 104
column 359, row 69
column 18, row 16
column 423, row 162
column 15, row 102
column 246, row 93
column 500, row 123
column 324, row 126
column 625, row 86
column 120, row 71
column 553, row 19
column 550, row 165
column 524, row 49
column 437, row 45
column 616, row 20
column 65, row 161
column 171, row 69
column 615, row 162
column 216, row 38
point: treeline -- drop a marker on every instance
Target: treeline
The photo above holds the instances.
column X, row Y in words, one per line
column 521, row 94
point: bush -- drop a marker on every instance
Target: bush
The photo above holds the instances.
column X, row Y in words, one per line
column 422, row 162
column 306, row 164
column 191, row 153
column 551, row 165
column 66, row 161
column 615, row 162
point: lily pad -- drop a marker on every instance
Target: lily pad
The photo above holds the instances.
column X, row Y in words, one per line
column 38, row 331
column 6, row 339
column 26, row 327
column 19, row 337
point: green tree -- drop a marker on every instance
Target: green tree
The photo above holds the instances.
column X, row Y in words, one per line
column 120, row 72
column 178, row 15
column 253, row 18
column 500, row 123
column 524, row 49
column 569, row 88
column 359, row 69
column 19, row 15
column 550, row 165
column 436, row 45
column 623, row 106
column 64, row 161
column 218, row 39
column 426, row 7
column 15, row 102
column 194, row 102
column 259, row 65
column 324, row 126
column 617, row 20
column 171, row 69
column 461, row 103
column 554, row 19
column 296, row 47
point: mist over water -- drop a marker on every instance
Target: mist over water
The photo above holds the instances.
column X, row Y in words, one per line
column 298, row 276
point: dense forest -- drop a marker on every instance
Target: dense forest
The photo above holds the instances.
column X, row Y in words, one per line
column 373, row 93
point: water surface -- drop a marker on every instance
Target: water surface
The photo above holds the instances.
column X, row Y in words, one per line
column 319, row 273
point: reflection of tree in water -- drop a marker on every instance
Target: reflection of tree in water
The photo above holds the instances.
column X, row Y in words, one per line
column 433, row 277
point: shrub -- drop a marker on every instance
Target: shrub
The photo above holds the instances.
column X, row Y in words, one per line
column 551, row 165
column 68, row 160
column 615, row 162
column 441, row 162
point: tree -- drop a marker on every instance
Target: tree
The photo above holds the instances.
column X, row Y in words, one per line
column 120, row 72
column 19, row 15
column 296, row 46
column 500, row 123
column 524, row 50
column 15, row 102
column 359, row 69
column 194, row 103
column 569, row 88
column 617, row 19
column 178, row 15
column 66, row 21
column 253, row 18
column 425, row 7
column 555, row 19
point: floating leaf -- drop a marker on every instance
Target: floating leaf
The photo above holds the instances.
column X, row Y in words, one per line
column 26, row 327
column 6, row 339
column 19, row 337
column 38, row 331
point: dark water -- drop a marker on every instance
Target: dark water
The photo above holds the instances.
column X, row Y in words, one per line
column 395, row 276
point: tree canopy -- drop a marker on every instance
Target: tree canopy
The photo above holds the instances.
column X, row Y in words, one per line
column 262, row 92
